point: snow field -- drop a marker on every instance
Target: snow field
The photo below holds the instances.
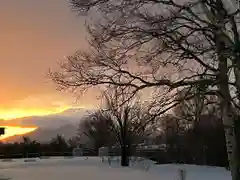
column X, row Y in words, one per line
column 61, row 168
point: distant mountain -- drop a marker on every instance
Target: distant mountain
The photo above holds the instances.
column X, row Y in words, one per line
column 53, row 121
column 45, row 135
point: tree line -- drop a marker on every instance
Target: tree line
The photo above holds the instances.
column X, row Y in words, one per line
column 186, row 139
column 28, row 148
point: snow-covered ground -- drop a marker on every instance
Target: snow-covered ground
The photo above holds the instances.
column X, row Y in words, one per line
column 93, row 169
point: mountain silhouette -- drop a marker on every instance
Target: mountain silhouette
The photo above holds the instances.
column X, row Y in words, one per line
column 45, row 135
column 52, row 121
column 48, row 126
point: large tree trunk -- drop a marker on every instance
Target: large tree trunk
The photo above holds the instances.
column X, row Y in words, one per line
column 228, row 122
column 237, row 76
column 225, row 97
column 124, row 156
column 236, row 63
column 236, row 60
column 227, row 110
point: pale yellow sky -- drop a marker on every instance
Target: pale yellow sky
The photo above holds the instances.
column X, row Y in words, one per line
column 34, row 35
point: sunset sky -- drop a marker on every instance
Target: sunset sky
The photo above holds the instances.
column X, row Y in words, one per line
column 34, row 36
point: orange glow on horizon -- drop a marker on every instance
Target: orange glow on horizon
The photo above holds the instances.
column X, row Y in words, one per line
column 16, row 130
column 8, row 114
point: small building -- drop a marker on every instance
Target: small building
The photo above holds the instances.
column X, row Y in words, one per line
column 103, row 151
column 77, row 152
column 2, row 130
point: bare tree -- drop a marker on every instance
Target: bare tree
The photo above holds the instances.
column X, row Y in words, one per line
column 96, row 128
column 134, row 42
column 132, row 121
column 191, row 109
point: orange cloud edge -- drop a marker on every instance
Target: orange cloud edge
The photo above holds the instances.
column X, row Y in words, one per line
column 14, row 129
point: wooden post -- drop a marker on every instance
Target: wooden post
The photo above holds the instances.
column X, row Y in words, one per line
column 182, row 174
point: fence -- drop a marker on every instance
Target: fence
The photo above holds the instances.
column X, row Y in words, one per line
column 43, row 155
column 34, row 155
column 138, row 154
